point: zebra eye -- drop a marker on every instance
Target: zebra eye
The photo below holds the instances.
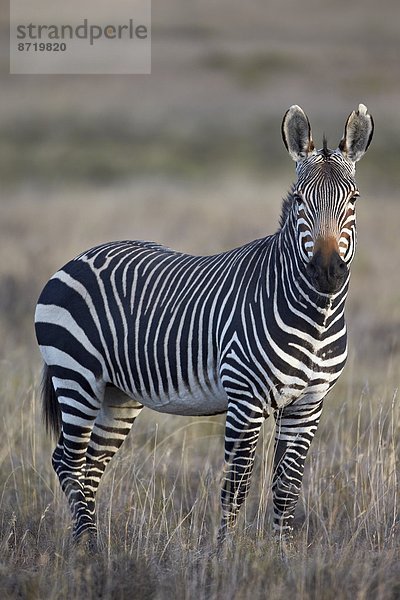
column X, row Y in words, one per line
column 297, row 198
column 354, row 196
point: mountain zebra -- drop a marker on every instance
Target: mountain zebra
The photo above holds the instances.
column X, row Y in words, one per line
column 253, row 331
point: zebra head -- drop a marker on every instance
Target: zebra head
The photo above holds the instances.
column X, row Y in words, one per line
column 323, row 198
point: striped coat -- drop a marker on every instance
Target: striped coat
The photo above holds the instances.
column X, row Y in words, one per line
column 253, row 331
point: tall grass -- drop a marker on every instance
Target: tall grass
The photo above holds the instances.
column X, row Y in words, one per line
column 158, row 509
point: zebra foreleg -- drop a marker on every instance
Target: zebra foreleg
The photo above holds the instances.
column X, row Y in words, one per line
column 295, row 429
column 112, row 425
column 242, row 431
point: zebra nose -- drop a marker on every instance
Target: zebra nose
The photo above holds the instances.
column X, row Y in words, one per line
column 327, row 274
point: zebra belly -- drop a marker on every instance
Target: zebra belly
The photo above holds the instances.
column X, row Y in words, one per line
column 196, row 401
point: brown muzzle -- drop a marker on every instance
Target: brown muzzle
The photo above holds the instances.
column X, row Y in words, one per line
column 327, row 270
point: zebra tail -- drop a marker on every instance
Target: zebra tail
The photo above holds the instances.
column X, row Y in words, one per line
column 51, row 408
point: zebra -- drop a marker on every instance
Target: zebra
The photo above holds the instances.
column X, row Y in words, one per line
column 250, row 332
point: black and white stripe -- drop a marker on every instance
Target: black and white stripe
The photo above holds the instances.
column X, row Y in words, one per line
column 249, row 332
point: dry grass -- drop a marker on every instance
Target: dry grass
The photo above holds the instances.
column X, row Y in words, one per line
column 158, row 511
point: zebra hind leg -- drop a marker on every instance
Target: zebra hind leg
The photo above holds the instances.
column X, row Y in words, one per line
column 113, row 423
column 79, row 403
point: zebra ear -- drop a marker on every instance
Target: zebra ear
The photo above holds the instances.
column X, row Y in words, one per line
column 296, row 134
column 357, row 134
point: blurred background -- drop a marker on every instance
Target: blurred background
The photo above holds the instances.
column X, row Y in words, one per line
column 191, row 155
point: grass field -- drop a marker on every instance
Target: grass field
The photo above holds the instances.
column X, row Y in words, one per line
column 191, row 156
column 159, row 513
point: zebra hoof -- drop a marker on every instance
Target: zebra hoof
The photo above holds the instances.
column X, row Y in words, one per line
column 225, row 539
column 87, row 543
column 285, row 543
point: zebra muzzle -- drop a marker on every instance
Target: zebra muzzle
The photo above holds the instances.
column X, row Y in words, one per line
column 327, row 273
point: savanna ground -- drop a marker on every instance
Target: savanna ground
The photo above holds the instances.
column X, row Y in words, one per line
column 191, row 156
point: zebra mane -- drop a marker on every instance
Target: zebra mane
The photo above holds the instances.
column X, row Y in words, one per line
column 325, row 150
column 286, row 208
